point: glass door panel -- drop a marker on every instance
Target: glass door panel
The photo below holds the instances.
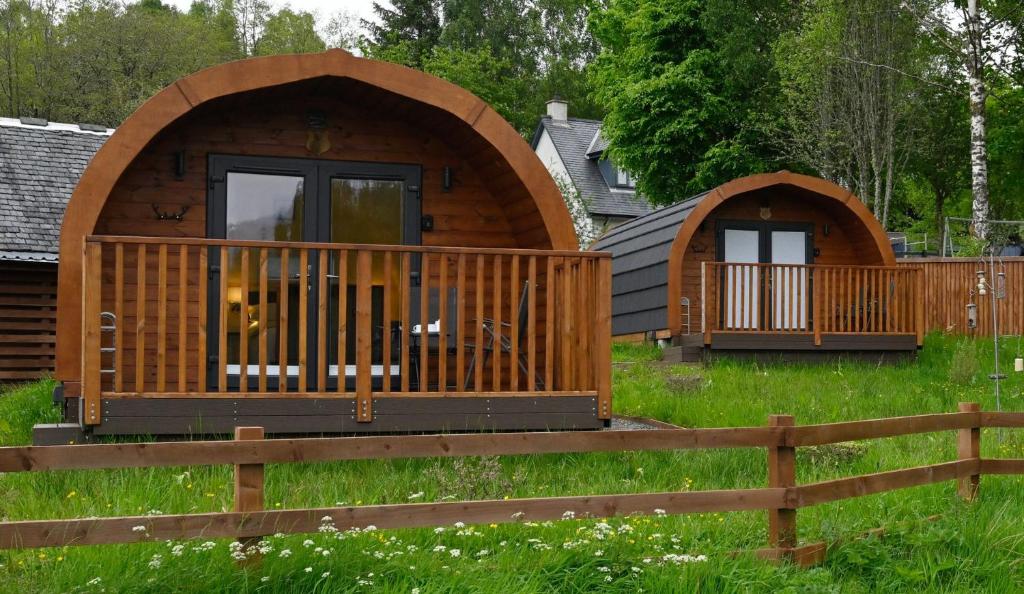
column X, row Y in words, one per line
column 791, row 283
column 262, row 207
column 370, row 211
column 741, row 302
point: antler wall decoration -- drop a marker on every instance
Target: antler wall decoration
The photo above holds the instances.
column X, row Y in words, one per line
column 170, row 216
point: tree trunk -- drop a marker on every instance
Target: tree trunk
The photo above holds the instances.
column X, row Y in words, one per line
column 979, row 150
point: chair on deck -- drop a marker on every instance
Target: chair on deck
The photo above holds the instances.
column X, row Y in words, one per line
column 496, row 338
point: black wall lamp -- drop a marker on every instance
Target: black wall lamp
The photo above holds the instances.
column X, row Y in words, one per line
column 825, row 229
column 446, row 179
column 179, row 165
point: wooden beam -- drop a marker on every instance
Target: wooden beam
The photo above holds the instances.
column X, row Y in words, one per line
column 968, row 447
column 52, row 533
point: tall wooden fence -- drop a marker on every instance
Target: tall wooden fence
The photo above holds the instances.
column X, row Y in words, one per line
column 781, row 498
column 948, row 283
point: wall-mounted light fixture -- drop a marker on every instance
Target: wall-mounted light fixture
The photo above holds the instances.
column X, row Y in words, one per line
column 825, row 229
column 446, row 179
column 179, row 165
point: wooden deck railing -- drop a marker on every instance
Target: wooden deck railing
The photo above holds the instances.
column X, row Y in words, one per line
column 811, row 299
column 782, row 497
column 208, row 318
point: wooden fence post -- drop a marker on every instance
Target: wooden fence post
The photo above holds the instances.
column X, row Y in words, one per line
column 782, row 474
column 248, row 483
column 968, row 446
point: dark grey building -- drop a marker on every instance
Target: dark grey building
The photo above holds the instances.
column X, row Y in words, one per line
column 640, row 250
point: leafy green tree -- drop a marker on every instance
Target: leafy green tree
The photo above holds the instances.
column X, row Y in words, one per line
column 406, row 33
column 288, row 32
column 686, row 84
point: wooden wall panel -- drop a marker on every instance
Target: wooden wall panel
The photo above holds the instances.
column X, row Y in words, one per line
column 28, row 312
column 948, row 284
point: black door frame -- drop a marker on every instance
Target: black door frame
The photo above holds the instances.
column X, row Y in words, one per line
column 316, row 227
column 764, row 256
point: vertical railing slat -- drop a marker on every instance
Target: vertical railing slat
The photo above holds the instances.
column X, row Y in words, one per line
column 222, row 329
column 263, row 280
column 513, row 317
column 140, row 320
column 549, row 325
column 406, row 323
column 531, row 325
column 496, row 322
column 204, row 275
column 460, row 347
column 119, row 317
column 321, row 320
column 478, row 361
column 282, row 323
column 424, row 379
column 364, row 336
column 602, row 344
column 386, row 331
column 92, row 362
column 182, row 317
column 442, row 338
column 343, row 320
column 303, row 320
column 243, row 325
column 161, row 319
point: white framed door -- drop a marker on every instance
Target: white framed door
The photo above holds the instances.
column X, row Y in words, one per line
column 790, row 284
column 741, row 246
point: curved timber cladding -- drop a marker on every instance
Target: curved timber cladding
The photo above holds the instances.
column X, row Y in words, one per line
column 501, row 195
column 658, row 258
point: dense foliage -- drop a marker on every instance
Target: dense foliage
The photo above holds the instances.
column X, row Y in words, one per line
column 873, row 94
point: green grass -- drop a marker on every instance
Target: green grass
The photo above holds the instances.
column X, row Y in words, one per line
column 974, row 547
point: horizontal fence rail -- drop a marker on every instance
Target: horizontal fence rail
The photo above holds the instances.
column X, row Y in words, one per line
column 811, row 299
column 168, row 317
column 249, row 453
column 951, row 283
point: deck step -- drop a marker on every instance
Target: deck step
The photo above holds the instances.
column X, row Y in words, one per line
column 683, row 354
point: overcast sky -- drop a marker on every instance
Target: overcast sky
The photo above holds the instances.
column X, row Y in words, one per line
column 324, row 8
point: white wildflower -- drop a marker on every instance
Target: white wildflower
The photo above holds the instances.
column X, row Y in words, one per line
column 178, row 550
column 265, row 578
column 93, row 581
column 460, row 525
column 455, row 553
column 440, row 549
column 439, row 530
column 569, row 515
column 308, row 570
column 659, row 512
column 325, row 574
column 155, row 562
column 285, row 553
column 138, row 528
column 308, row 543
column 416, row 495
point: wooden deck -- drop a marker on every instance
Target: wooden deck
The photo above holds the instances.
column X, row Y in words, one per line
column 790, row 307
column 512, row 334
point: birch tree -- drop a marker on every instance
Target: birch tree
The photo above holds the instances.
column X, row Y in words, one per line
column 851, row 79
column 985, row 36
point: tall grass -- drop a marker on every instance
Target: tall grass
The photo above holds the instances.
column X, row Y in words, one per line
column 973, row 547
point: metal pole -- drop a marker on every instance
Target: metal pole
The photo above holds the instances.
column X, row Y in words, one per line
column 995, row 319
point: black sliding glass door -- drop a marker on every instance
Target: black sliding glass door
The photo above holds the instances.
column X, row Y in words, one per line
column 299, row 200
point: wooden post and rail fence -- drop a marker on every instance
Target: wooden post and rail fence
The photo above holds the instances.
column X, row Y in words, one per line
column 249, row 453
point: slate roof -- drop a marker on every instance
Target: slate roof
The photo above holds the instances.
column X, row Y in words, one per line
column 574, row 139
column 40, row 164
column 640, row 251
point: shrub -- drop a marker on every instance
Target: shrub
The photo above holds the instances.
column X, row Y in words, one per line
column 965, row 366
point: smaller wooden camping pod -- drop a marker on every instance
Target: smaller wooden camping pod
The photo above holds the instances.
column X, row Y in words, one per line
column 769, row 262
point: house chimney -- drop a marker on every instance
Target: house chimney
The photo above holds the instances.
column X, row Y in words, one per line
column 558, row 109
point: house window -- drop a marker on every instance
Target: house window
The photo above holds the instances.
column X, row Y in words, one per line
column 623, row 179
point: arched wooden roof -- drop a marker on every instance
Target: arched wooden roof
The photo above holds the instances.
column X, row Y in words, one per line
column 737, row 187
column 180, row 98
